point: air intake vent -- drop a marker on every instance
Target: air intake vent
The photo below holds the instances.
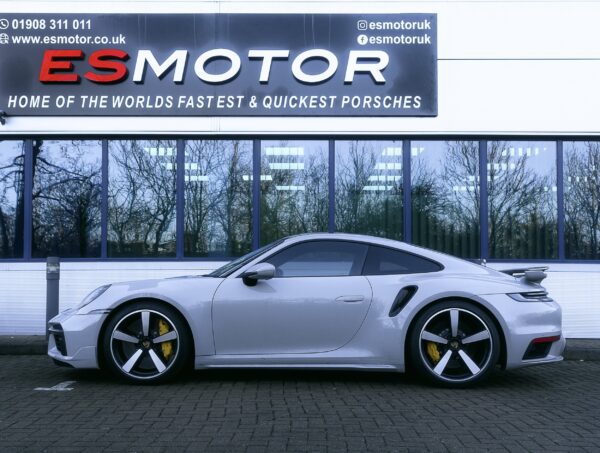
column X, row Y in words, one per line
column 403, row 297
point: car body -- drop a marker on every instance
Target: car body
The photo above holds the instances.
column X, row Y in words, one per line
column 321, row 300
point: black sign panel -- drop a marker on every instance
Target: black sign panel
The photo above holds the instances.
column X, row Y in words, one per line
column 219, row 64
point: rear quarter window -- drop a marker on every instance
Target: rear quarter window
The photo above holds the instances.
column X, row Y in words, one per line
column 386, row 261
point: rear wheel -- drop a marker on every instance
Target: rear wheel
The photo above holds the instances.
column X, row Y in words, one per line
column 455, row 344
column 146, row 342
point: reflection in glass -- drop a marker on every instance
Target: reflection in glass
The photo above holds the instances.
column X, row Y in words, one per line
column 218, row 197
column 368, row 188
column 522, row 199
column 445, row 196
column 66, row 198
column 294, row 187
column 141, row 198
column 582, row 199
column 12, row 158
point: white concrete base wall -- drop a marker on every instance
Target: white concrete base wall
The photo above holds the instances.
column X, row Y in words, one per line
column 23, row 290
column 23, row 287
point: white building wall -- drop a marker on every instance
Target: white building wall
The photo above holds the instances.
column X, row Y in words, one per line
column 527, row 67
column 23, row 290
column 505, row 67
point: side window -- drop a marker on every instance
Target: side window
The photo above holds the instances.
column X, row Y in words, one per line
column 320, row 259
column 384, row 261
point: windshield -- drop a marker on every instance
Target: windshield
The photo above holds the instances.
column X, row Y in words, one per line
column 234, row 265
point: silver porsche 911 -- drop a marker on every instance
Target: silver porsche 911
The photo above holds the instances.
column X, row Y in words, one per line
column 335, row 301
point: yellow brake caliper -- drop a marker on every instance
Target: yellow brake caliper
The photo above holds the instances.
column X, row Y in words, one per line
column 166, row 346
column 433, row 352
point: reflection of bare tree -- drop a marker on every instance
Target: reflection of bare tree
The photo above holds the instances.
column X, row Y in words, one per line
column 66, row 199
column 445, row 197
column 294, row 200
column 522, row 206
column 11, row 198
column 460, row 176
column 582, row 201
column 142, row 198
column 368, row 197
column 218, row 201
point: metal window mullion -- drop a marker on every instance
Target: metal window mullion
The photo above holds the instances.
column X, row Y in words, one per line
column 28, row 199
column 560, row 198
column 180, row 201
column 483, row 201
column 406, row 196
column 104, row 202
column 331, row 209
column 255, row 194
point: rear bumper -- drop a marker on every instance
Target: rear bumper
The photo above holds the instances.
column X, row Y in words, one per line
column 73, row 339
column 522, row 323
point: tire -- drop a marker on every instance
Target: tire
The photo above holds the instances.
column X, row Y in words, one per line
column 454, row 344
column 146, row 343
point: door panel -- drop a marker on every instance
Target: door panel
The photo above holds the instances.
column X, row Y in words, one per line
column 289, row 315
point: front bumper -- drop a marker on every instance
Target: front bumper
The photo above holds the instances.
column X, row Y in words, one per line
column 73, row 338
column 524, row 322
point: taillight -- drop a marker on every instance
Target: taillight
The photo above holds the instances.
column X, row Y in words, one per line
column 531, row 296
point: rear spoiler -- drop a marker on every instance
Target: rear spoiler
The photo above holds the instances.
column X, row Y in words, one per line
column 530, row 274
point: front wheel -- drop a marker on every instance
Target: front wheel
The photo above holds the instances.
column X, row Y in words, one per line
column 146, row 342
column 454, row 344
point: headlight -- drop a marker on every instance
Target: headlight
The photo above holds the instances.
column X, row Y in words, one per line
column 532, row 296
column 91, row 297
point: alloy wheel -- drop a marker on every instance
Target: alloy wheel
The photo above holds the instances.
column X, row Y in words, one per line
column 456, row 345
column 144, row 344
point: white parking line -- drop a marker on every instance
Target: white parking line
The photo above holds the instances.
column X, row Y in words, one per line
column 62, row 387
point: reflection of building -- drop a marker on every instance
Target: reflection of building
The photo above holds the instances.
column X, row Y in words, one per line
column 507, row 171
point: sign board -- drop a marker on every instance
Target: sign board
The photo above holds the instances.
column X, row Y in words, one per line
column 218, row 64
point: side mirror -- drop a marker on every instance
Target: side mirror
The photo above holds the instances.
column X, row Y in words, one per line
column 260, row 271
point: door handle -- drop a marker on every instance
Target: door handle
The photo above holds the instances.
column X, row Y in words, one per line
column 350, row 298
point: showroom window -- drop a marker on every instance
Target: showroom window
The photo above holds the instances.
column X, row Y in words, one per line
column 12, row 176
column 582, row 199
column 522, row 199
column 368, row 188
column 67, row 178
column 293, row 188
column 445, row 196
column 218, row 197
column 141, row 198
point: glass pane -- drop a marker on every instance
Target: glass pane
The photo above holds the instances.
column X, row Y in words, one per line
column 320, row 259
column 218, row 197
column 293, row 188
column 582, row 199
column 522, row 199
column 67, row 178
column 445, row 196
column 141, row 198
column 384, row 261
column 12, row 157
column 368, row 188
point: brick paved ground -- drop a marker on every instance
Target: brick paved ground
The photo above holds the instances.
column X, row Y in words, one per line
column 549, row 408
